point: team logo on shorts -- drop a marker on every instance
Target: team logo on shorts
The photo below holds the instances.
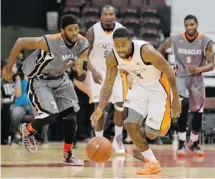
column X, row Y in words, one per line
column 127, row 101
column 189, row 60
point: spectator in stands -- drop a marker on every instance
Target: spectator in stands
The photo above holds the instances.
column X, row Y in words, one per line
column 7, row 96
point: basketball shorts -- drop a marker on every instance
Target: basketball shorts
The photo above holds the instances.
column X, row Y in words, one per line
column 152, row 103
column 192, row 87
column 52, row 96
column 95, row 89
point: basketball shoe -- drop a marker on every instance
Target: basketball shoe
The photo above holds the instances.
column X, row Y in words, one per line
column 181, row 149
column 194, row 146
column 118, row 145
column 149, row 168
column 28, row 139
column 72, row 159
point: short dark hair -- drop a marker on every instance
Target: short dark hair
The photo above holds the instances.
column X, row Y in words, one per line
column 107, row 7
column 188, row 17
column 121, row 33
column 68, row 19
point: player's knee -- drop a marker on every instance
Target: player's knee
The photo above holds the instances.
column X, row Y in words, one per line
column 151, row 133
column 52, row 118
column 129, row 126
column 119, row 107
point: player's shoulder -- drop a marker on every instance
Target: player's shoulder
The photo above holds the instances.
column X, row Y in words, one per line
column 118, row 25
column 140, row 43
column 81, row 38
column 53, row 36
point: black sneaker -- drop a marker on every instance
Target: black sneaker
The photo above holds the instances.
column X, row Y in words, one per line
column 181, row 149
column 194, row 146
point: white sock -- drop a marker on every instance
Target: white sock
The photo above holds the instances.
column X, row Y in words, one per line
column 148, row 154
column 99, row 133
column 118, row 130
column 182, row 136
column 194, row 137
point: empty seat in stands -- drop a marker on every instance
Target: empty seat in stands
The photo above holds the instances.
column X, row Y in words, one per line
column 73, row 10
column 119, row 3
column 90, row 11
column 136, row 3
column 74, row 3
column 149, row 12
column 129, row 12
column 152, row 22
column 100, row 2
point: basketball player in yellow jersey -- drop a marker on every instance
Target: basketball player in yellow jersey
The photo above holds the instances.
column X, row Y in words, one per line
column 101, row 43
column 148, row 100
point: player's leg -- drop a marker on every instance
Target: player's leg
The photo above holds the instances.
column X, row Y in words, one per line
column 118, row 120
column 67, row 102
column 137, row 111
column 196, row 123
column 119, row 93
column 133, row 125
column 43, row 102
column 182, row 120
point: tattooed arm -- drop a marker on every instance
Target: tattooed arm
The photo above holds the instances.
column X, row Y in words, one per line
column 107, row 87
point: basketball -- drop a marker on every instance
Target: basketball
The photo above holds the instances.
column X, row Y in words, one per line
column 99, row 149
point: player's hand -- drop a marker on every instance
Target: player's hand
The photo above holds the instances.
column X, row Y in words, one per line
column 7, row 74
column 95, row 116
column 97, row 77
column 194, row 70
column 176, row 107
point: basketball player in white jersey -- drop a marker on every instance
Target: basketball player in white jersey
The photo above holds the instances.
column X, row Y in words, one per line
column 148, row 100
column 101, row 42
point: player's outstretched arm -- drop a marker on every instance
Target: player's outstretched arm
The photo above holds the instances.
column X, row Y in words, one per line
column 107, row 87
column 150, row 55
column 110, row 78
column 164, row 46
column 31, row 43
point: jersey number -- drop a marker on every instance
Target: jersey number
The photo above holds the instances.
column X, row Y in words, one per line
column 105, row 54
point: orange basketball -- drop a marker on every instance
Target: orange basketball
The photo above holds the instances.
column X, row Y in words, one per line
column 99, row 149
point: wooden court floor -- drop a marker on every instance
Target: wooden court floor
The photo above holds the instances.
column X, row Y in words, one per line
column 47, row 163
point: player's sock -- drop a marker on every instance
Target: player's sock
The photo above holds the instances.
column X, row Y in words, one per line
column 67, row 147
column 118, row 130
column 182, row 136
column 30, row 128
column 99, row 133
column 194, row 136
column 148, row 154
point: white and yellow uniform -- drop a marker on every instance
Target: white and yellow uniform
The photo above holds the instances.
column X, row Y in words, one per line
column 150, row 92
column 102, row 45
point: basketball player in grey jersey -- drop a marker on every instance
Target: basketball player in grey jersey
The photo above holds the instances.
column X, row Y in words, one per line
column 50, row 91
column 193, row 55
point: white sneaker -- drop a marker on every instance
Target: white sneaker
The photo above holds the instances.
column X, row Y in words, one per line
column 28, row 139
column 118, row 145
